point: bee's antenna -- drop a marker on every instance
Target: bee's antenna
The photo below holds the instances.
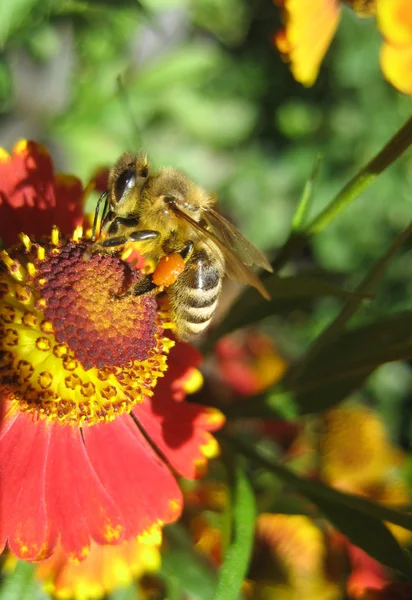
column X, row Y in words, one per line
column 104, row 197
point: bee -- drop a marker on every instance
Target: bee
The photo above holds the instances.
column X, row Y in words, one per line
column 173, row 217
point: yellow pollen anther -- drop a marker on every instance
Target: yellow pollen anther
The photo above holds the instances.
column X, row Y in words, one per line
column 42, row 281
column 23, row 293
column 31, row 269
column 7, row 314
column 41, row 253
column 45, row 380
column 55, row 236
column 77, row 233
column 59, row 350
column 14, row 268
column 26, row 241
column 29, row 320
column 43, row 344
column 46, row 327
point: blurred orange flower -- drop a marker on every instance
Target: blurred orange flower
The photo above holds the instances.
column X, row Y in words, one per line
column 249, row 362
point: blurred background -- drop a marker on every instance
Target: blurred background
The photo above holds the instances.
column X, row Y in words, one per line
column 199, row 85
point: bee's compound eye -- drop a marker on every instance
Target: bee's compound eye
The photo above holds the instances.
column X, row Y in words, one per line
column 124, row 183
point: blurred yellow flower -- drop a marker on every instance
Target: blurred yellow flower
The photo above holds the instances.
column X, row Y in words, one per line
column 309, row 29
column 311, row 24
column 354, row 447
column 290, row 561
column 104, row 569
column 395, row 22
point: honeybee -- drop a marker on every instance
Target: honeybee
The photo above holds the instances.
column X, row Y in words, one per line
column 172, row 216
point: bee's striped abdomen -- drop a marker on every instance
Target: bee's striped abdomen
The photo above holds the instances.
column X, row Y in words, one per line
column 195, row 295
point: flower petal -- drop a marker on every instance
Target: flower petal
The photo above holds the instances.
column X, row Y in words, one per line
column 23, row 451
column 310, row 27
column 140, row 484
column 396, row 65
column 76, row 499
column 395, row 20
column 31, row 198
column 181, row 431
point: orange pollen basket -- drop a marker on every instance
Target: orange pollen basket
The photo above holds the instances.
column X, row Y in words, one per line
column 71, row 350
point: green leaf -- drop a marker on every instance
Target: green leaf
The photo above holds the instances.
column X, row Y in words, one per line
column 13, row 15
column 332, row 337
column 359, row 519
column 189, row 569
column 234, row 568
column 306, row 197
column 286, row 292
column 342, row 366
column 20, row 585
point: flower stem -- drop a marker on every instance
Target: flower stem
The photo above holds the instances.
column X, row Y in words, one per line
column 362, row 180
column 389, row 153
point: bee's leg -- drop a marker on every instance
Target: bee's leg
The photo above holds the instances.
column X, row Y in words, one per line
column 143, row 235
column 113, row 242
column 187, row 251
column 147, row 285
column 116, row 242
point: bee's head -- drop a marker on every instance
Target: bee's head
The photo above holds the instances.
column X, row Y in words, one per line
column 125, row 183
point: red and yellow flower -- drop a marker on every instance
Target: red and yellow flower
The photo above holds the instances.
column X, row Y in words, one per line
column 367, row 468
column 311, row 25
column 94, row 420
column 105, row 569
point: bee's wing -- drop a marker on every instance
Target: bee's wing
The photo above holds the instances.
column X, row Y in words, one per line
column 233, row 266
column 231, row 237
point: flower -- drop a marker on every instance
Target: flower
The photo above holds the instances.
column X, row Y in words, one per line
column 309, row 30
column 367, row 468
column 352, row 466
column 248, row 363
column 88, row 449
column 290, row 560
column 395, row 22
column 310, row 27
column 105, row 569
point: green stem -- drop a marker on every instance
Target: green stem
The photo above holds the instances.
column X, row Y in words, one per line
column 363, row 179
column 389, row 153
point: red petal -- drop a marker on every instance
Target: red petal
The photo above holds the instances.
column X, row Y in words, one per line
column 180, row 430
column 138, row 481
column 31, row 200
column 76, row 500
column 182, row 358
column 23, row 454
